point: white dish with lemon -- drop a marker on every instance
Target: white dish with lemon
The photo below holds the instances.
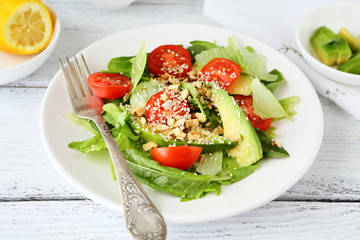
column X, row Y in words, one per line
column 29, row 33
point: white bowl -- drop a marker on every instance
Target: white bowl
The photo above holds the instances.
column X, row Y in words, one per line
column 334, row 17
column 14, row 67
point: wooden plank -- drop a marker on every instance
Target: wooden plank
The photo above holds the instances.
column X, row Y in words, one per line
column 87, row 220
column 26, row 172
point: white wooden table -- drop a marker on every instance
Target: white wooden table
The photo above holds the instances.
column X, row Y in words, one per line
column 37, row 203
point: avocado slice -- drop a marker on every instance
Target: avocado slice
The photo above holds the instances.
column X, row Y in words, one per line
column 240, row 86
column 354, row 42
column 351, row 66
column 236, row 123
column 212, row 143
column 330, row 48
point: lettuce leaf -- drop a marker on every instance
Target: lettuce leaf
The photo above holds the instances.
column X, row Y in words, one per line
column 210, row 163
column 193, row 94
column 250, row 62
column 120, row 65
column 256, row 65
column 265, row 103
column 232, row 169
column 138, row 66
column 199, row 46
column 143, row 92
column 270, row 150
column 288, row 104
column 180, row 183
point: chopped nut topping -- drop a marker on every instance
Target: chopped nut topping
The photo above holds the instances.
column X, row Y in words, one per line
column 179, row 134
column 191, row 123
column 164, row 96
column 149, row 145
column 192, row 75
column 275, row 143
column 194, row 136
column 203, row 90
column 184, row 94
column 143, row 121
column 173, row 87
column 171, row 122
column 200, row 117
column 161, row 127
column 164, row 76
column 236, row 137
column 220, row 129
column 196, row 84
column 180, row 122
column 138, row 111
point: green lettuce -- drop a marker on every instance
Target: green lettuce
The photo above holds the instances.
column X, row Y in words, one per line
column 193, row 94
column 265, row 103
column 270, row 150
column 210, row 163
column 143, row 92
column 138, row 66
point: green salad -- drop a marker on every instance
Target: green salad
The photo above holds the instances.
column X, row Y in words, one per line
column 189, row 120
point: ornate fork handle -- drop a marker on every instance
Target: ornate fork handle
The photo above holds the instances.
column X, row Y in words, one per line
column 142, row 218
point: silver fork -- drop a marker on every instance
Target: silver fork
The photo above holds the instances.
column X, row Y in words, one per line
column 142, row 218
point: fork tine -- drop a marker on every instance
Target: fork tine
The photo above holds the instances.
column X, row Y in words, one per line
column 83, row 75
column 76, row 78
column 69, row 83
column 85, row 65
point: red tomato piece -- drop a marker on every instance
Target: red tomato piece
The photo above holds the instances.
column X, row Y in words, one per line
column 172, row 59
column 220, row 70
column 109, row 85
column 181, row 157
column 246, row 104
column 165, row 105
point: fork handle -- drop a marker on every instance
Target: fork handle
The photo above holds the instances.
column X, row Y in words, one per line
column 142, row 218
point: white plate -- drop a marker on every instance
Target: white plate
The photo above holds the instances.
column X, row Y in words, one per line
column 301, row 137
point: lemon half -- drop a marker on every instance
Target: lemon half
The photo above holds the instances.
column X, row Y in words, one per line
column 25, row 26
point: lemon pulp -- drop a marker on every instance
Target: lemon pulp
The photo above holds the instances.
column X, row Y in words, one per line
column 26, row 27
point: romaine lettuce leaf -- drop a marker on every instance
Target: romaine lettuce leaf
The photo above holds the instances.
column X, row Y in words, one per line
column 193, row 94
column 137, row 67
column 180, row 183
column 288, row 104
column 143, row 92
column 210, row 163
column 120, row 65
column 199, row 46
column 256, row 65
column 264, row 102
column 232, row 169
column 270, row 150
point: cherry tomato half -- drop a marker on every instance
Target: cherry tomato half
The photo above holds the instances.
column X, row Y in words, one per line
column 109, row 85
column 165, row 105
column 181, row 157
column 220, row 70
column 246, row 103
column 172, row 59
